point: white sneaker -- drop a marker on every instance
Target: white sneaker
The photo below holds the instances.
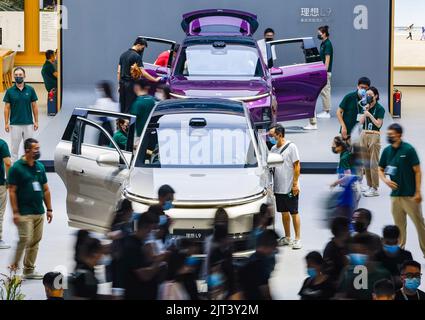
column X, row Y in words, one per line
column 33, row 276
column 297, row 245
column 284, row 241
column 310, row 127
column 371, row 193
column 4, row 245
column 324, row 115
column 365, row 189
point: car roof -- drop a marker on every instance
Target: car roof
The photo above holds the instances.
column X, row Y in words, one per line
column 228, row 39
column 203, row 105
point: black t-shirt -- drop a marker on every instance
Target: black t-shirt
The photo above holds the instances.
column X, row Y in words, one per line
column 335, row 259
column 127, row 59
column 321, row 291
column 393, row 263
column 84, row 282
column 420, row 295
column 253, row 275
column 134, row 258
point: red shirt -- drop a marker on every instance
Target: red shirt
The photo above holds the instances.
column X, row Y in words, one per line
column 162, row 59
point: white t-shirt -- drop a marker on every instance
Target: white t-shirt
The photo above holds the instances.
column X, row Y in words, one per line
column 284, row 174
column 262, row 45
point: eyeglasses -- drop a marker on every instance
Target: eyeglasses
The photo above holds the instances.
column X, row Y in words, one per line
column 412, row 275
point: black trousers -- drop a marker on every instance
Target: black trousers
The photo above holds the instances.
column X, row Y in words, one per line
column 127, row 95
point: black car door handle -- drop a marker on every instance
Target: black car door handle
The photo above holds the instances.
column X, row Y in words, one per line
column 78, row 173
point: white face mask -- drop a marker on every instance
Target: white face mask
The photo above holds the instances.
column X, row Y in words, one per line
column 159, row 96
column 99, row 93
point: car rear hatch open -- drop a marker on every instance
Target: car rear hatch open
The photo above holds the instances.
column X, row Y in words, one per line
column 219, row 21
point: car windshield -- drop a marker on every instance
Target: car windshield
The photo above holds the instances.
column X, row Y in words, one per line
column 220, row 60
column 197, row 141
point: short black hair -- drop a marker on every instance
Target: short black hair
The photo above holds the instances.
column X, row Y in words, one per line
column 269, row 30
column 410, row 263
column 366, row 212
column 279, row 130
column 384, row 287
column 141, row 41
column 28, row 143
column 339, row 224
column 364, row 80
column 49, row 54
column 315, row 257
column 52, row 279
column 19, row 68
column 156, row 209
column 396, row 127
column 165, row 190
column 147, row 219
column 324, row 29
column 90, row 247
column 143, row 83
column 267, row 239
column 391, row 232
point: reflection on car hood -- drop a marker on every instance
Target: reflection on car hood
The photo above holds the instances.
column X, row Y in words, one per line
column 219, row 88
column 197, row 184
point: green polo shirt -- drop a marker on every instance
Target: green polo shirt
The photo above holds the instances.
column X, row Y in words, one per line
column 142, row 108
column 4, row 153
column 344, row 161
column 50, row 81
column 326, row 49
column 20, row 104
column 27, row 179
column 378, row 112
column 404, row 158
column 350, row 106
column 120, row 139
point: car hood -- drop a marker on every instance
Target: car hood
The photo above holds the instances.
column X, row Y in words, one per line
column 219, row 88
column 197, row 184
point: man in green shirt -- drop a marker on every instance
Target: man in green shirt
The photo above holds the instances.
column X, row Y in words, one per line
column 49, row 72
column 399, row 168
column 143, row 105
column 349, row 109
column 20, row 111
column 5, row 164
column 28, row 189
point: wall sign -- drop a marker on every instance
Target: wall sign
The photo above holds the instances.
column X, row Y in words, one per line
column 48, row 25
column 12, row 25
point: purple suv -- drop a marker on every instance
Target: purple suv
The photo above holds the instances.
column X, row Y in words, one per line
column 219, row 58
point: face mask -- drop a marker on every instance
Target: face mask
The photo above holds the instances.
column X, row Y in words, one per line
column 19, row 80
column 359, row 226
column 312, row 273
column 163, row 220
column 159, row 96
column 361, row 92
column 369, row 99
column 391, row 249
column 334, row 150
column 167, row 205
column 192, row 261
column 412, row 284
column 319, row 37
column 215, row 280
column 36, row 155
column 358, row 259
column 99, row 93
column 272, row 140
column 391, row 140
column 268, row 39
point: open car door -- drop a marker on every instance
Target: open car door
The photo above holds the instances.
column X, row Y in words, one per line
column 219, row 21
column 151, row 54
column 299, row 78
column 93, row 166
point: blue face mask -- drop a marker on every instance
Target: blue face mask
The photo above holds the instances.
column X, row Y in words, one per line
column 215, row 280
column 272, row 140
column 361, row 93
column 163, row 220
column 167, row 205
column 312, row 273
column 358, row 259
column 192, row 261
column 391, row 249
column 412, row 284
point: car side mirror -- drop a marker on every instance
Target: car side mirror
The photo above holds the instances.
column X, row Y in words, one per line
column 276, row 71
column 274, row 160
column 108, row 159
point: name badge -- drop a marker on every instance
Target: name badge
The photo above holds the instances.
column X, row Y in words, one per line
column 359, row 116
column 370, row 126
column 36, row 186
column 390, row 171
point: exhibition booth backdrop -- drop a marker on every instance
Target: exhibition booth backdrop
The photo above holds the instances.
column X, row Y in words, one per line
column 98, row 31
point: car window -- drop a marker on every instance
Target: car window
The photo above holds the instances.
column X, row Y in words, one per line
column 219, row 60
column 171, row 143
column 293, row 53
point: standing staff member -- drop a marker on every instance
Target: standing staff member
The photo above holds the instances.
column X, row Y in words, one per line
column 126, row 82
column 372, row 120
column 20, row 107
column 5, row 164
column 286, row 187
column 327, row 56
column 28, row 189
column 49, row 72
column 400, row 169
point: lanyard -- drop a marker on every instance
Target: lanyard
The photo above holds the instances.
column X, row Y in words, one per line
column 365, row 125
column 405, row 296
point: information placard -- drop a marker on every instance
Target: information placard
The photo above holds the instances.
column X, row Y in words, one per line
column 48, row 25
column 12, row 25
